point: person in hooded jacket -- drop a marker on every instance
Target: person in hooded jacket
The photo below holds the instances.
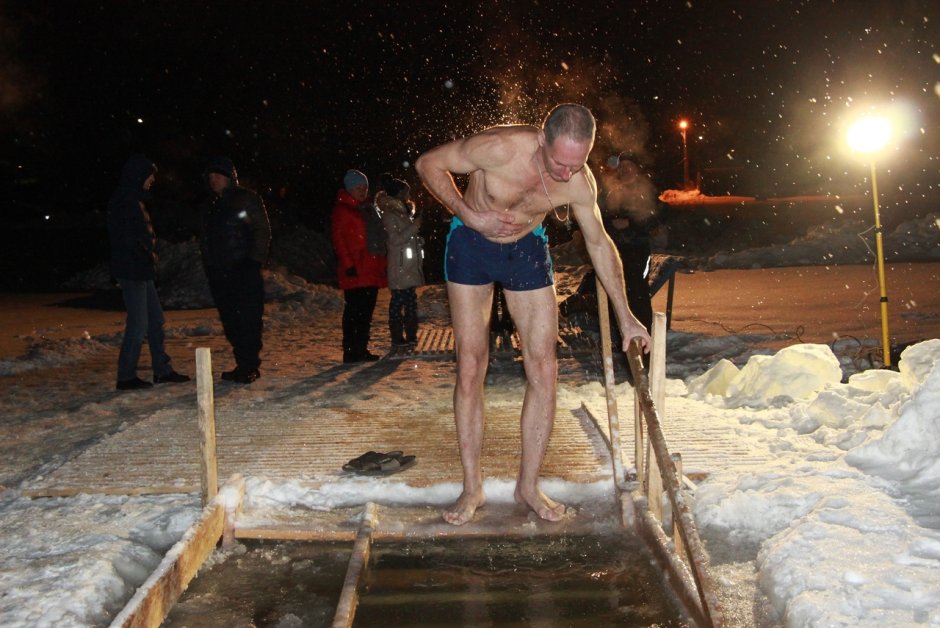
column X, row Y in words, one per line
column 236, row 239
column 134, row 266
column 405, row 258
column 359, row 242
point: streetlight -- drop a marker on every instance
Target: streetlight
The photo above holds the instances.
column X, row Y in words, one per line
column 869, row 135
column 683, row 127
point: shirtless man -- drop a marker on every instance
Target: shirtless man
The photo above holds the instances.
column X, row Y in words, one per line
column 517, row 175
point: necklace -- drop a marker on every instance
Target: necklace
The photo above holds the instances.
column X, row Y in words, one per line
column 551, row 202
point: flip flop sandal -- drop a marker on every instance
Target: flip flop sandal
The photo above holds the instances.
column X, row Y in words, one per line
column 370, row 461
column 373, row 463
column 397, row 463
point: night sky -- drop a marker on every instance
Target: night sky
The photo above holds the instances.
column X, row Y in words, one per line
column 296, row 92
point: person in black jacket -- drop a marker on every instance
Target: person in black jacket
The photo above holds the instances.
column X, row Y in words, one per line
column 236, row 237
column 134, row 266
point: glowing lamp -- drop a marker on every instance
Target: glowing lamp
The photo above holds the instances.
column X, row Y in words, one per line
column 869, row 135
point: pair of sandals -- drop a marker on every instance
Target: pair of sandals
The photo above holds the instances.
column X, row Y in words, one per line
column 376, row 463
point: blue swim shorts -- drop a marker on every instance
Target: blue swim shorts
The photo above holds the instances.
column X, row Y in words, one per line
column 471, row 259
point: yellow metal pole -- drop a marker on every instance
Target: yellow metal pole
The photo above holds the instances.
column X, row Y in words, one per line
column 879, row 248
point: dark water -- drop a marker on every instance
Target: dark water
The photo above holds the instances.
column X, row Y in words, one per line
column 266, row 583
column 579, row 581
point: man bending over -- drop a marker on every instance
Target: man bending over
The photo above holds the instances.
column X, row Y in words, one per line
column 517, row 175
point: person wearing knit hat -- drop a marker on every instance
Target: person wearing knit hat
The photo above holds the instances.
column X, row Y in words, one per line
column 223, row 166
column 236, row 240
column 354, row 179
column 359, row 243
column 405, row 258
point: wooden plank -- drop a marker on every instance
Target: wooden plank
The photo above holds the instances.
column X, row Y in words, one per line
column 684, row 584
column 657, row 377
column 208, row 465
column 282, row 533
column 681, row 512
column 676, row 533
column 153, row 600
column 349, row 598
column 93, row 490
column 613, row 418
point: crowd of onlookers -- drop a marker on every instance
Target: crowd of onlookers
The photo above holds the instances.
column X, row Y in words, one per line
column 376, row 242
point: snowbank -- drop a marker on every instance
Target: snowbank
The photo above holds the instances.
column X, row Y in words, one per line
column 847, row 516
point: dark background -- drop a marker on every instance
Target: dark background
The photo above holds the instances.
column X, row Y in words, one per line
column 295, row 93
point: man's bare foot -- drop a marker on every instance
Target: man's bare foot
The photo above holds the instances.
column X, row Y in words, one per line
column 464, row 509
column 542, row 505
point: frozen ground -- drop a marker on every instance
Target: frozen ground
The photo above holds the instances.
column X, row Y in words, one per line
column 840, row 525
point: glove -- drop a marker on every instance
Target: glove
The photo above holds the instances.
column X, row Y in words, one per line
column 352, row 272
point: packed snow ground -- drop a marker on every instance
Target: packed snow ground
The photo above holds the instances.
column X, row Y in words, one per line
column 841, row 525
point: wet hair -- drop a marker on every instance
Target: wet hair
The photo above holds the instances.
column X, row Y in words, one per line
column 570, row 120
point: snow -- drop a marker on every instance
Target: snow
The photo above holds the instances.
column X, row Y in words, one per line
column 838, row 526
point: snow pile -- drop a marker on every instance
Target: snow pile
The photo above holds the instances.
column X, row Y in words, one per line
column 879, row 568
column 45, row 353
column 75, row 561
column 796, row 372
column 908, row 452
column 852, row 242
column 846, row 515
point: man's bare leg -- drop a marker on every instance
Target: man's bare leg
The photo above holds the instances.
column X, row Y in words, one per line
column 470, row 314
column 535, row 313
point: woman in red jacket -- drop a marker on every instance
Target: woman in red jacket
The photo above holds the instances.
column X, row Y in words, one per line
column 359, row 242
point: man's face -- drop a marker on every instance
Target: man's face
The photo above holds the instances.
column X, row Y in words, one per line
column 564, row 157
column 218, row 182
column 149, row 182
column 360, row 192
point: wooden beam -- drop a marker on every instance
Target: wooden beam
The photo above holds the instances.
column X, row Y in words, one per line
column 94, row 490
column 208, row 466
column 281, row 533
column 613, row 418
column 153, row 600
column 349, row 598
column 681, row 512
column 657, row 377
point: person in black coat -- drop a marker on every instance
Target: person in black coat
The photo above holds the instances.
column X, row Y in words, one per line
column 236, row 238
column 134, row 266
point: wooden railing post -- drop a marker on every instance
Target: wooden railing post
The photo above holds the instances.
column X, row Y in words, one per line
column 657, row 376
column 609, row 383
column 676, row 533
column 206, row 403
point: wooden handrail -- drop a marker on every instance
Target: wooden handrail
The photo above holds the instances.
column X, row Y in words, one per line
column 681, row 514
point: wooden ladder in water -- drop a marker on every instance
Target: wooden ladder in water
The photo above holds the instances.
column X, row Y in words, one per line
column 657, row 472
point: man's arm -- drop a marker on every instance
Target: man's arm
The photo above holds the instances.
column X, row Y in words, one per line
column 606, row 261
column 483, row 151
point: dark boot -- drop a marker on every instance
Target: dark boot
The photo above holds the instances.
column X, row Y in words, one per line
column 411, row 331
column 395, row 330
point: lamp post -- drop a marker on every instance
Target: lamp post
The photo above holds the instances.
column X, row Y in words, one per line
column 868, row 136
column 683, row 127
